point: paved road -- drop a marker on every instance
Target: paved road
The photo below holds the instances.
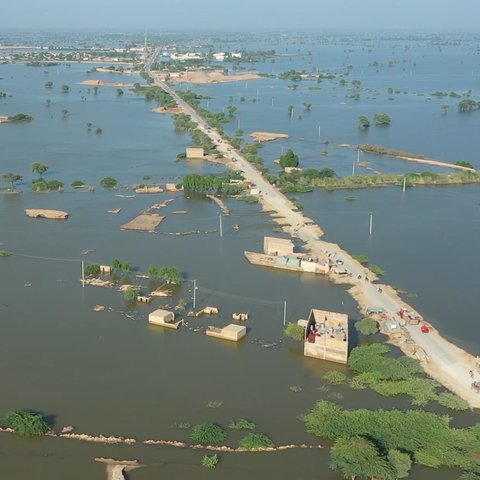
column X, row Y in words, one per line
column 448, row 364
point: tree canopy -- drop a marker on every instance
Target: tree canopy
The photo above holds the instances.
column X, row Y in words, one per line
column 289, row 159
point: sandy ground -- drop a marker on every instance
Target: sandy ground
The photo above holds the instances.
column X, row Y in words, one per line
column 146, row 222
column 448, row 364
column 45, row 213
column 3, row 119
column 168, row 110
column 220, row 203
column 268, row 136
column 101, row 83
column 201, row 77
column 426, row 161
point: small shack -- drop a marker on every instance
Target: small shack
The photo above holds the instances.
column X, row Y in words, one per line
column 277, row 246
column 195, row 152
column 231, row 332
column 163, row 318
column 326, row 335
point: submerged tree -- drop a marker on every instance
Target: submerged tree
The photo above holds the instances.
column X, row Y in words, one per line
column 39, row 168
column 363, row 122
column 12, row 178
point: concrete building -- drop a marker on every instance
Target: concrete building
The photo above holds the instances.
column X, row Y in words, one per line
column 326, row 335
column 277, row 246
column 163, row 318
column 195, row 152
column 231, row 332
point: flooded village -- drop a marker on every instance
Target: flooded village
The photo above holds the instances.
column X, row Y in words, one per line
column 188, row 297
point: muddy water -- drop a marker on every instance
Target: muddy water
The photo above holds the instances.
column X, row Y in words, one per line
column 113, row 374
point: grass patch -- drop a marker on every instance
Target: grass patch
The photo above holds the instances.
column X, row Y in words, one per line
column 242, row 424
column 334, row 377
column 208, row 433
column 210, row 461
column 255, row 441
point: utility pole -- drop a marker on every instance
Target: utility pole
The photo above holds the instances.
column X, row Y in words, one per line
column 258, row 91
column 353, row 169
column 194, row 294
column 221, row 226
column 404, row 184
column 238, row 124
column 273, row 100
column 358, row 155
column 284, row 313
column 83, row 274
column 371, row 223
column 319, row 131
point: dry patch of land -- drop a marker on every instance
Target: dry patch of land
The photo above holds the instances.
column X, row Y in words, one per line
column 146, row 221
column 168, row 110
column 149, row 189
column 200, row 77
column 3, row 119
column 43, row 213
column 268, row 136
column 101, row 83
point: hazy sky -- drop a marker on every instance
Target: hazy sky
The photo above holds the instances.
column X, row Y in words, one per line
column 180, row 15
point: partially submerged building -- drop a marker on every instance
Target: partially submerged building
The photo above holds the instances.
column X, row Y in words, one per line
column 164, row 318
column 326, row 335
column 279, row 253
column 231, row 332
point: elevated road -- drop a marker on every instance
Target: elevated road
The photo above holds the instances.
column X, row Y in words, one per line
column 448, row 364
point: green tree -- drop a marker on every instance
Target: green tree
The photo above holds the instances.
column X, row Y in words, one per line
column 367, row 326
column 295, row 331
column 290, row 111
column 65, row 113
column 289, row 159
column 208, row 433
column 12, row 178
column 358, row 457
column 120, row 92
column 254, row 441
column 26, row 423
column 108, row 182
column 363, row 121
column 464, row 163
column 401, row 462
column 49, row 84
column 382, row 119
column 39, row 168
column 308, row 106
column 65, row 88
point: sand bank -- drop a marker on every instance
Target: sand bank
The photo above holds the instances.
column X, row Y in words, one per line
column 3, row 119
column 220, row 203
column 44, row 213
column 268, row 136
column 101, row 83
column 174, row 110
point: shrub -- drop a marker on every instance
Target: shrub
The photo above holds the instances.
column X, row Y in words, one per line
column 28, row 424
column 295, row 331
column 451, row 401
column 54, row 185
column 250, row 199
column 242, row 424
column 5, row 253
column 92, row 270
column 363, row 259
column 376, row 270
column 255, row 441
column 367, row 326
column 209, row 433
column 130, row 294
column 184, row 425
column 108, row 182
column 210, row 461
column 77, row 183
column 334, row 377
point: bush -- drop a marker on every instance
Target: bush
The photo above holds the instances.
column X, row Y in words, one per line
column 452, row 402
column 334, row 377
column 77, row 183
column 367, row 326
column 108, row 182
column 210, row 461
column 295, row 331
column 242, row 424
column 363, row 259
column 130, row 294
column 255, row 441
column 25, row 423
column 92, row 270
column 376, row 270
column 209, row 433
column 250, row 199
column 5, row 253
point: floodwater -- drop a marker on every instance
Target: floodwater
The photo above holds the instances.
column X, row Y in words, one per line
column 110, row 372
